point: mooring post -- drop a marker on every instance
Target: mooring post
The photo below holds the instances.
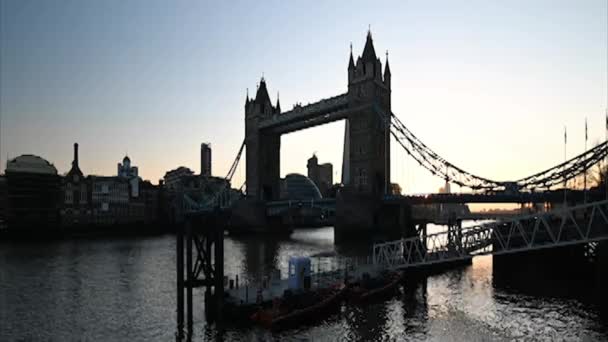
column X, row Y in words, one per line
column 189, row 280
column 209, row 277
column 219, row 269
column 180, row 280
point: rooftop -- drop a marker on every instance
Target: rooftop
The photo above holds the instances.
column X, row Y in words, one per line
column 29, row 163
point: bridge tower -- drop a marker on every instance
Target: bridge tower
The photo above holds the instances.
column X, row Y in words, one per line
column 263, row 147
column 367, row 136
column 366, row 162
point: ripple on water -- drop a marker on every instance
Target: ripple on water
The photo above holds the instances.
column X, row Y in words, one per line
column 124, row 290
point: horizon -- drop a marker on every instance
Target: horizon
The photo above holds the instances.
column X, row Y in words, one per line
column 160, row 97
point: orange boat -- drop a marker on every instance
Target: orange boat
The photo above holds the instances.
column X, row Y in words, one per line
column 373, row 288
column 296, row 309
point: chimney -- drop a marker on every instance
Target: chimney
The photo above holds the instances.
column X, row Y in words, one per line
column 75, row 154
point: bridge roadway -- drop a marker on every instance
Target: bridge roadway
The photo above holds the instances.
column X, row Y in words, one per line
column 277, row 207
column 499, row 197
column 462, row 198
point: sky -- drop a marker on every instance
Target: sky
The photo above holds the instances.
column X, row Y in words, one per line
column 488, row 85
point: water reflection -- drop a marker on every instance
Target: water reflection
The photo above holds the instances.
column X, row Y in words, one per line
column 124, row 290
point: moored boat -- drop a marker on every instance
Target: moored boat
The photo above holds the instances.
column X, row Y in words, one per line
column 300, row 308
column 368, row 288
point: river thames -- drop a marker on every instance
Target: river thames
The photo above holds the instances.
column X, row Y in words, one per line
column 123, row 289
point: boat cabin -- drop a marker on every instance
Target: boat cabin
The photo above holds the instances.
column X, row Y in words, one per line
column 299, row 273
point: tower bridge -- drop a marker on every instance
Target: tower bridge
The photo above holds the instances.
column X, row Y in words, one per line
column 364, row 205
column 368, row 145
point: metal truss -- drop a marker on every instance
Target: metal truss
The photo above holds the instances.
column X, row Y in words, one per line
column 203, row 267
column 277, row 208
column 440, row 167
column 222, row 199
column 580, row 224
column 310, row 112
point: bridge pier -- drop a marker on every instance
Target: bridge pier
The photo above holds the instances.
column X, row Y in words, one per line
column 203, row 239
column 363, row 217
column 601, row 277
column 535, row 272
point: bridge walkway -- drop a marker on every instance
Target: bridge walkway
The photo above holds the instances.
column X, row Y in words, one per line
column 561, row 227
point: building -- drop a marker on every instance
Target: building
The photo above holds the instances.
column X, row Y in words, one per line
column 182, row 183
column 3, row 202
column 395, row 189
column 298, row 187
column 75, row 199
column 110, row 200
column 206, row 159
column 151, row 197
column 321, row 175
column 173, row 178
column 33, row 189
column 125, row 169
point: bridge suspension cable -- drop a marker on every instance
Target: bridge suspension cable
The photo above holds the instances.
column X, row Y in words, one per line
column 566, row 170
column 434, row 163
column 442, row 168
column 235, row 163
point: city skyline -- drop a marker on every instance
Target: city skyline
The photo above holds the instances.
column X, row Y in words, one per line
column 158, row 101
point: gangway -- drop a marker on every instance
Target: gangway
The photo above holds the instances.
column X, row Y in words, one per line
column 565, row 226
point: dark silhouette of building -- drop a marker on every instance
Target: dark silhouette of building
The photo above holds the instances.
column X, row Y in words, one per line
column 151, row 197
column 3, row 202
column 76, row 201
column 110, row 200
column 395, row 189
column 299, row 187
column 173, row 178
column 206, row 159
column 321, row 175
column 125, row 169
column 33, row 188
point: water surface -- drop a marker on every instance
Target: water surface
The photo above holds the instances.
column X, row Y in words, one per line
column 123, row 289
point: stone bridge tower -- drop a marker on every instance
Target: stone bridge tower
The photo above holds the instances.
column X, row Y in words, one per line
column 263, row 147
column 367, row 134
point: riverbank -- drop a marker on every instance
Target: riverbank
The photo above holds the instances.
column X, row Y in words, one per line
column 50, row 233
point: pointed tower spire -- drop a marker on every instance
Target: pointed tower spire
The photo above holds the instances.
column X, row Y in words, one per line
column 351, row 61
column 369, row 53
column 387, row 69
column 278, row 107
column 387, row 73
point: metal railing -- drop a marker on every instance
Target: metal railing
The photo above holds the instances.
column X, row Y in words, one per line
column 561, row 227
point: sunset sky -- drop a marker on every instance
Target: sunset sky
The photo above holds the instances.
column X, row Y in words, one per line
column 489, row 85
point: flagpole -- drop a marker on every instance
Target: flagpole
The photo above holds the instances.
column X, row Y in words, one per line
column 585, row 170
column 565, row 184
